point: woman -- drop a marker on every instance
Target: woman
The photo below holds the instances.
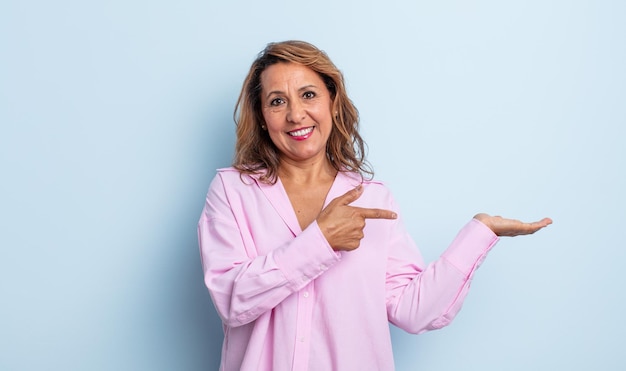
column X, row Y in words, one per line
column 304, row 256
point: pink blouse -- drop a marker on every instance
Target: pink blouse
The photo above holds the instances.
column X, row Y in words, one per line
column 289, row 302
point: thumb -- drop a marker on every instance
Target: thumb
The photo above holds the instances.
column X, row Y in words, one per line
column 350, row 196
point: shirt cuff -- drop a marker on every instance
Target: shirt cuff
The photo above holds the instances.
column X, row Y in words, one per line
column 307, row 257
column 470, row 247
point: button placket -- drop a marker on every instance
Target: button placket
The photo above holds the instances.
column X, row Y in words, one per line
column 303, row 327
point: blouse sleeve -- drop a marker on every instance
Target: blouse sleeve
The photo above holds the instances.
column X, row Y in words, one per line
column 243, row 285
column 422, row 298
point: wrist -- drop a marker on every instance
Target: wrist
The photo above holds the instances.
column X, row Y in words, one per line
column 484, row 218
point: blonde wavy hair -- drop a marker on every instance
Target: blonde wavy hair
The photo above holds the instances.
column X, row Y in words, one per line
column 255, row 153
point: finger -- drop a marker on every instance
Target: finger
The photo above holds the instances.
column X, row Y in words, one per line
column 350, row 196
column 530, row 228
column 545, row 222
column 541, row 224
column 376, row 213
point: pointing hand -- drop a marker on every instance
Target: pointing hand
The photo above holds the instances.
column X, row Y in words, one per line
column 342, row 224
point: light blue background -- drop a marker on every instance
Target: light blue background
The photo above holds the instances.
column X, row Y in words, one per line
column 114, row 116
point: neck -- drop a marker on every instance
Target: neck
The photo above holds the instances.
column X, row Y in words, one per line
column 306, row 173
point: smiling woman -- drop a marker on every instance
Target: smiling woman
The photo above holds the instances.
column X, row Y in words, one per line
column 255, row 150
column 297, row 112
column 304, row 256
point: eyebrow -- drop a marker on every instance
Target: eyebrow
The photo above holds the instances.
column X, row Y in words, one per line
column 279, row 92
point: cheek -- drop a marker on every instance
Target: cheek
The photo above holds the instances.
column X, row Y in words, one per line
column 324, row 115
column 272, row 119
column 321, row 111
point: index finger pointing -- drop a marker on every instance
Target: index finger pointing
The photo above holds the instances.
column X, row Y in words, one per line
column 376, row 213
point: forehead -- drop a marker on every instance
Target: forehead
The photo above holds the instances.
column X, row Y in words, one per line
column 284, row 75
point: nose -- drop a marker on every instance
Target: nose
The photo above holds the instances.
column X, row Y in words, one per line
column 296, row 112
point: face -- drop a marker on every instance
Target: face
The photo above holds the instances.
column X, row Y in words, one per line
column 297, row 110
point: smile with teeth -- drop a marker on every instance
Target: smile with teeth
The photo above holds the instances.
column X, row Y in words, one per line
column 301, row 133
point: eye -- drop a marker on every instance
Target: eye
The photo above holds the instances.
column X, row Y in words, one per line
column 308, row 95
column 276, row 102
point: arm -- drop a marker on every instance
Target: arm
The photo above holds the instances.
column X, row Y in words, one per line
column 422, row 298
column 243, row 284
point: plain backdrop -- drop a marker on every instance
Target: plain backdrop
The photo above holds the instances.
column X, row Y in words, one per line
column 114, row 116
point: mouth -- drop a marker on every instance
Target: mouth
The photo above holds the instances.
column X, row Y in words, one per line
column 301, row 134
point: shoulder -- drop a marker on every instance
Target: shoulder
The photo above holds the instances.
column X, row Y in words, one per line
column 233, row 182
column 374, row 190
column 229, row 184
column 355, row 179
column 233, row 177
column 228, row 179
column 377, row 188
column 227, row 173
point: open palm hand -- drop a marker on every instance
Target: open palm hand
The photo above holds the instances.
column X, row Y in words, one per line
column 511, row 227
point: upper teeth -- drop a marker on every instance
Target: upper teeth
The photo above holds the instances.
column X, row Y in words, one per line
column 301, row 132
